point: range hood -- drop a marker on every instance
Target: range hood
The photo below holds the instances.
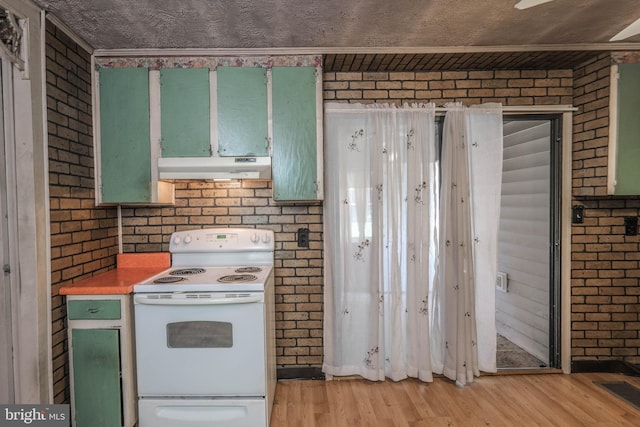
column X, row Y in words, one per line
column 214, row 168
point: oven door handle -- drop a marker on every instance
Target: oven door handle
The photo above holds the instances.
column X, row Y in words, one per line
column 143, row 299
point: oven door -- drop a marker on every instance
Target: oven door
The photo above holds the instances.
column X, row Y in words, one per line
column 200, row 344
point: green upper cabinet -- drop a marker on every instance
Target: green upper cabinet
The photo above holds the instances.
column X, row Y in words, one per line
column 297, row 139
column 145, row 117
column 185, row 117
column 242, row 111
column 625, row 130
column 125, row 158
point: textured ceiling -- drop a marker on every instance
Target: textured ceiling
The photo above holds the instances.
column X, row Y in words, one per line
column 363, row 35
column 243, row 24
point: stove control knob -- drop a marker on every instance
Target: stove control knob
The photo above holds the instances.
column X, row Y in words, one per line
column 187, row 239
column 176, row 240
column 255, row 238
column 266, row 238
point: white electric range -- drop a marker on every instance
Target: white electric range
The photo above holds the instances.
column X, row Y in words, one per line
column 205, row 332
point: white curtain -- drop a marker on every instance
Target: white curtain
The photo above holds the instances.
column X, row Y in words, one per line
column 486, row 137
column 463, row 305
column 386, row 239
column 380, row 240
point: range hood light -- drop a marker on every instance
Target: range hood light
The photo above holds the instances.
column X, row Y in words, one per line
column 216, row 168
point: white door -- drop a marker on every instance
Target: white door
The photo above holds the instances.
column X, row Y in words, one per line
column 6, row 337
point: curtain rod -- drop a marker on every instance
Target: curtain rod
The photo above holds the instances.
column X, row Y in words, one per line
column 528, row 109
column 505, row 109
column 531, row 108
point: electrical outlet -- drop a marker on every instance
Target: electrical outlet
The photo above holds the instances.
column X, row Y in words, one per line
column 577, row 214
column 631, row 226
column 303, row 237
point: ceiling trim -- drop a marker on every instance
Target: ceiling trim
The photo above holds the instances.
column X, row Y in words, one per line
column 367, row 50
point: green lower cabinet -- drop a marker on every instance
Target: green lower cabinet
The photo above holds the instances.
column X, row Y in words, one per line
column 96, row 377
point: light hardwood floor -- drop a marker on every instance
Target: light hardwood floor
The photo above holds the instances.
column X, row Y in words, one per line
column 500, row 400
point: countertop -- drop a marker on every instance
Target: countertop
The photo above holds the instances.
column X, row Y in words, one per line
column 131, row 269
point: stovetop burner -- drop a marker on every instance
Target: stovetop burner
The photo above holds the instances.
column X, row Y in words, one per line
column 187, row 271
column 248, row 270
column 169, row 279
column 237, row 278
column 202, row 277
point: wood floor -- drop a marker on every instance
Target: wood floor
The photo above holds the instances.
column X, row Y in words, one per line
column 509, row 400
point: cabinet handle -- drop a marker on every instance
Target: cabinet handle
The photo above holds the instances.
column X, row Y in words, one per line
column 93, row 310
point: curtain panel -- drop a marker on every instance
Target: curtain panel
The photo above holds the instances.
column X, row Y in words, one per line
column 380, row 237
column 463, row 330
column 409, row 272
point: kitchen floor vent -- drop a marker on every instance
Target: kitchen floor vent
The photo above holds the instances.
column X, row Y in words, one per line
column 623, row 390
column 502, row 281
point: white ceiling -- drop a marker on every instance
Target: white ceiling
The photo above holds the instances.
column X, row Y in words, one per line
column 333, row 25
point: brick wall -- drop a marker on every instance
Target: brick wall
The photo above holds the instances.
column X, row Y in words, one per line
column 298, row 271
column 605, row 263
column 83, row 238
column 591, row 127
column 510, row 87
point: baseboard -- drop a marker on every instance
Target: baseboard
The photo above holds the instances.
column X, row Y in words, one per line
column 304, row 373
column 611, row 366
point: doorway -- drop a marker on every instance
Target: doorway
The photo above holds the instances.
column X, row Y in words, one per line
column 528, row 285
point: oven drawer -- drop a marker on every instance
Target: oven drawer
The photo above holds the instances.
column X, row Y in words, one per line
column 202, row 412
column 107, row 309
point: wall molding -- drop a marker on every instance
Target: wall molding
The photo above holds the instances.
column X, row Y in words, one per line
column 365, row 49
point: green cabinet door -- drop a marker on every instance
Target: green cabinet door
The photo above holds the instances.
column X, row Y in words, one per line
column 125, row 157
column 184, row 106
column 242, row 111
column 96, row 377
column 295, row 157
column 628, row 130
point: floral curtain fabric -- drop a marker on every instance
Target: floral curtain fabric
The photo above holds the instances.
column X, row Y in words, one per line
column 463, row 330
column 403, row 268
column 453, row 311
column 484, row 130
column 380, row 219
